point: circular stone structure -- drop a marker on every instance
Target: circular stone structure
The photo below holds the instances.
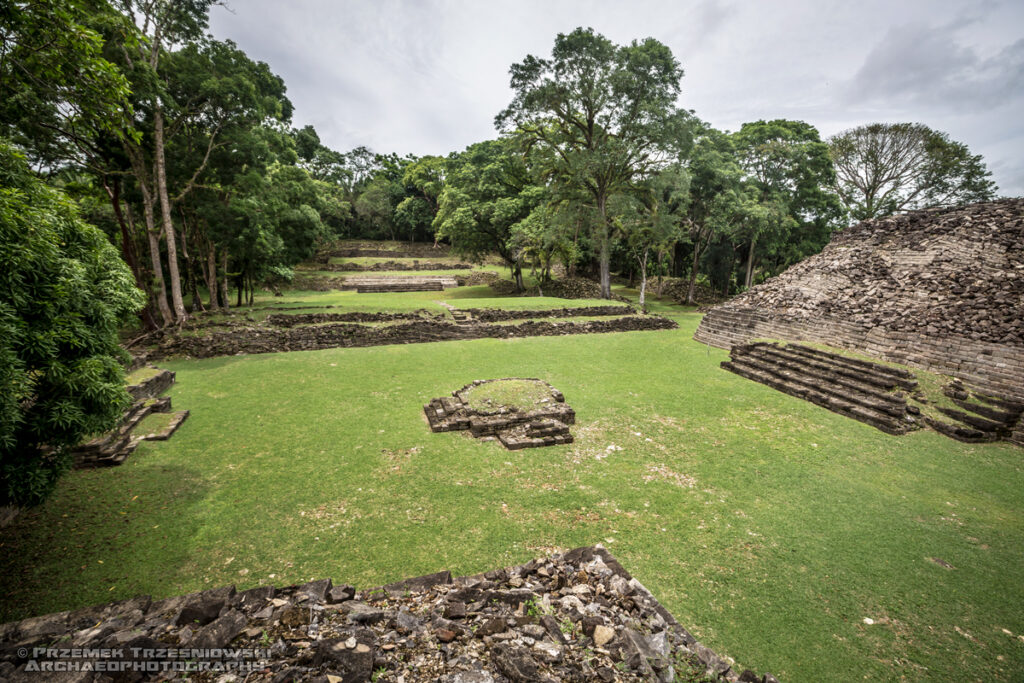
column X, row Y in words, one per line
column 521, row 412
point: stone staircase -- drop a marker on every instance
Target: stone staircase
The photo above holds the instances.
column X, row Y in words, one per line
column 461, row 317
column 979, row 418
column 862, row 390
column 432, row 283
column 112, row 448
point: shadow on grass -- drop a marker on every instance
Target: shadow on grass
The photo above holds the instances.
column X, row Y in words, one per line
column 99, row 538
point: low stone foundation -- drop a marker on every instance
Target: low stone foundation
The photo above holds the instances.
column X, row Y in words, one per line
column 577, row 616
column 490, row 315
column 273, row 340
column 292, row 320
column 545, row 425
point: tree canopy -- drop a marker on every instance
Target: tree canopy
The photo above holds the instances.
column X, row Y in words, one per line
column 604, row 115
column 885, row 168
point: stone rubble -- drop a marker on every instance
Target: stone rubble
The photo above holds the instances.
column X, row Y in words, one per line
column 578, row 616
column 939, row 289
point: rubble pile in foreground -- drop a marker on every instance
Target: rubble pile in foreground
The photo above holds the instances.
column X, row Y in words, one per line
column 578, row 616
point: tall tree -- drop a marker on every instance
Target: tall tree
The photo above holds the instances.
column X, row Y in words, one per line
column 789, row 166
column 652, row 219
column 163, row 24
column 606, row 113
column 715, row 186
column 884, row 168
column 488, row 190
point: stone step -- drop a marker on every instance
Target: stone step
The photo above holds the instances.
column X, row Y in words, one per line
column 152, row 386
column 179, row 417
column 960, row 431
column 106, row 446
column 880, row 420
column 899, row 373
column 795, row 353
column 976, row 421
column 515, row 441
column 1001, row 403
column 827, row 381
column 1006, row 417
column 878, row 402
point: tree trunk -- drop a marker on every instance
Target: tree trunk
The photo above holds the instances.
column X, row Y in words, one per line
column 605, row 262
column 225, row 293
column 128, row 251
column 750, row 265
column 643, row 282
column 211, row 277
column 691, row 291
column 165, row 213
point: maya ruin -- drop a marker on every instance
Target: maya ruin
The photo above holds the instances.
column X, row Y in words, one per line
column 503, row 343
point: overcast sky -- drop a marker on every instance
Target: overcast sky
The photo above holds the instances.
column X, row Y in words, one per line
column 429, row 77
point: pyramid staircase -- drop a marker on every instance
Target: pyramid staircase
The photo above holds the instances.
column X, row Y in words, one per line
column 112, row 448
column 862, row 390
column 978, row 418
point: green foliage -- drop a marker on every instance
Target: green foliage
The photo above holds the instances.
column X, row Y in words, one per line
column 488, row 190
column 57, row 90
column 63, row 294
column 790, row 172
column 884, row 168
column 601, row 117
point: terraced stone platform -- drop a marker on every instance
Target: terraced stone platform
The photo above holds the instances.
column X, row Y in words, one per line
column 882, row 396
column 546, row 423
column 431, row 283
column 114, row 447
column 864, row 391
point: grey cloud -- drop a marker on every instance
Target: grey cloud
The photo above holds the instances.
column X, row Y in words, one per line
column 917, row 63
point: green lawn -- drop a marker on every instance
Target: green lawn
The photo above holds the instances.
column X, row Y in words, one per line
column 771, row 528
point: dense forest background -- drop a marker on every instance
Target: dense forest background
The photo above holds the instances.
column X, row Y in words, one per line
column 181, row 149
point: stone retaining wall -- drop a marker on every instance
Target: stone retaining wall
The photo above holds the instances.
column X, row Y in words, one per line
column 272, row 340
column 393, row 266
column 490, row 315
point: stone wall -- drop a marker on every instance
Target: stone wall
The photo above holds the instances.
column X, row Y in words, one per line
column 332, row 335
column 941, row 290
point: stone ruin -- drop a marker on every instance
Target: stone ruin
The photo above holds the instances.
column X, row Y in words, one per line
column 546, row 423
column 113, row 447
column 882, row 396
column 937, row 289
column 576, row 616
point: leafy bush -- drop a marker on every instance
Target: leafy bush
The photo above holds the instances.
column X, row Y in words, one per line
column 64, row 291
